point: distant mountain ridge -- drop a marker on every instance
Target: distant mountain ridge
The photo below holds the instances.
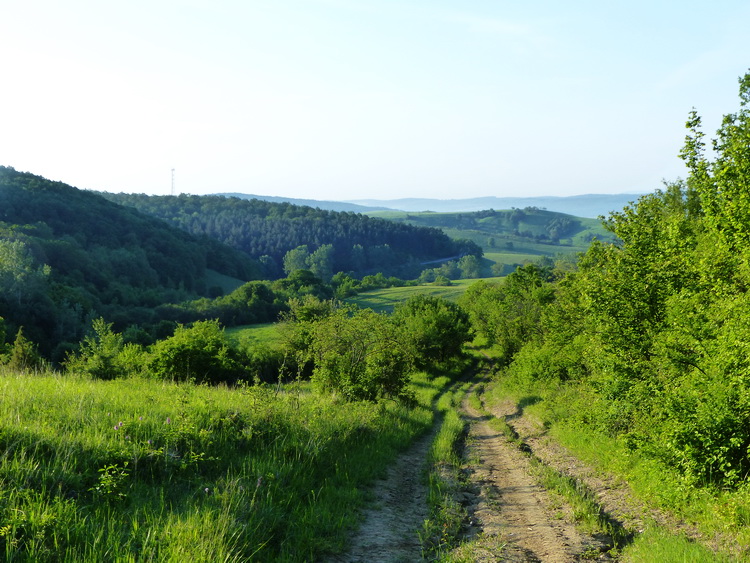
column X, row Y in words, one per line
column 322, row 204
column 589, row 205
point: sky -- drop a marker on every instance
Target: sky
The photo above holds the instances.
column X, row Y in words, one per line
column 364, row 99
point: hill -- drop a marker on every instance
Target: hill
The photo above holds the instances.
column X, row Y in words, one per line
column 514, row 236
column 590, row 205
column 320, row 204
column 68, row 255
column 348, row 242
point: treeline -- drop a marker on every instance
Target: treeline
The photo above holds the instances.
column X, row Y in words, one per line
column 68, row 256
column 649, row 338
column 529, row 223
column 267, row 231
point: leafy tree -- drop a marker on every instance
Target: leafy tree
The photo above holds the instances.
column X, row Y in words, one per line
column 470, row 267
column 200, row 352
column 296, row 259
column 359, row 354
column 24, row 356
column 104, row 354
column 435, row 328
column 509, row 314
column 320, row 262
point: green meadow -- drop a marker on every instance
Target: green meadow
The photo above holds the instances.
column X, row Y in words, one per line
column 385, row 299
column 141, row 470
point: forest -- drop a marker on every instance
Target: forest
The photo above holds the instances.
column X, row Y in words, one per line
column 136, row 426
column 267, row 231
column 70, row 256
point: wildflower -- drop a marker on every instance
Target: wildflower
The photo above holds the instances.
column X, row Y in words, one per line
column 127, row 437
column 206, row 490
column 149, row 442
column 169, row 420
column 117, row 427
column 140, row 418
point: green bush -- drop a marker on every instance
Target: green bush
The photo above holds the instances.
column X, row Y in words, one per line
column 103, row 354
column 435, row 328
column 200, row 352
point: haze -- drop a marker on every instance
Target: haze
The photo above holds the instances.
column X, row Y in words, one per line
column 341, row 100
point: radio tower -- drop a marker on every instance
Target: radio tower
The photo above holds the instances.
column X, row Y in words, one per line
column 172, row 181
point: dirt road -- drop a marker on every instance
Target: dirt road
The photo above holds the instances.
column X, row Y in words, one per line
column 510, row 516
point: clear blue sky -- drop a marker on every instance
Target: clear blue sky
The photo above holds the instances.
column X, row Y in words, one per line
column 350, row 99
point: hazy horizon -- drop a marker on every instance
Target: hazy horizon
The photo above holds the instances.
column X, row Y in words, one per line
column 364, row 99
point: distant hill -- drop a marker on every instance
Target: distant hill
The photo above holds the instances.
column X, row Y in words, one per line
column 69, row 255
column 591, row 205
column 344, row 241
column 513, row 236
column 320, row 204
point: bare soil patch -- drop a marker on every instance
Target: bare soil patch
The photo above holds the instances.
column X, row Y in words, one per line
column 614, row 495
column 510, row 506
column 390, row 529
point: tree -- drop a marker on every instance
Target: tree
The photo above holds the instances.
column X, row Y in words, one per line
column 296, row 259
column 24, row 356
column 104, row 354
column 435, row 328
column 359, row 354
column 320, row 262
column 470, row 267
column 20, row 278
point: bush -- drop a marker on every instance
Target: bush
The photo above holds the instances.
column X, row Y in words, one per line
column 435, row 328
column 103, row 354
column 358, row 353
column 200, row 352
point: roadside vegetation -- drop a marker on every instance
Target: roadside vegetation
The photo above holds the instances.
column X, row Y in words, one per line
column 173, row 451
column 641, row 349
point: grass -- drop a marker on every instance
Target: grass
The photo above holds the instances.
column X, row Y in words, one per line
column 135, row 469
column 251, row 335
column 227, row 283
column 384, row 300
column 442, row 530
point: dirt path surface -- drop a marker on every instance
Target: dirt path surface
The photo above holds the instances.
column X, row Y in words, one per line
column 614, row 496
column 511, row 505
column 510, row 516
column 389, row 532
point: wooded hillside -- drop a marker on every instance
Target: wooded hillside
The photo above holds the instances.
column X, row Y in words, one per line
column 67, row 255
column 267, row 231
column 648, row 340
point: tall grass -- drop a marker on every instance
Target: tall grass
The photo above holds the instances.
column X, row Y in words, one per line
column 140, row 470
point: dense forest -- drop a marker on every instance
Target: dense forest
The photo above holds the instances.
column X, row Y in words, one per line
column 67, row 255
column 267, row 231
column 650, row 334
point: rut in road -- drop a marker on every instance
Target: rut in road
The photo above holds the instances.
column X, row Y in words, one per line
column 512, row 506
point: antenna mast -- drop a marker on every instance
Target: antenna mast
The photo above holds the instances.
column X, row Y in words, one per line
column 172, row 181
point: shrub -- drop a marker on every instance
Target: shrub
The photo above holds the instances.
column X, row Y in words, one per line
column 200, row 352
column 103, row 354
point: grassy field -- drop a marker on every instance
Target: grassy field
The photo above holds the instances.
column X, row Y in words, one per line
column 384, row 300
column 141, row 470
column 250, row 335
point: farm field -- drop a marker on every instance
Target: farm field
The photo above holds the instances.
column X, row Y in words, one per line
column 384, row 300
